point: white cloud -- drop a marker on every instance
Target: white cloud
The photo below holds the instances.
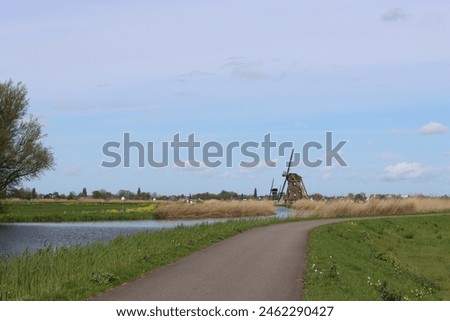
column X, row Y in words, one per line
column 388, row 156
column 394, row 14
column 433, row 128
column 405, row 171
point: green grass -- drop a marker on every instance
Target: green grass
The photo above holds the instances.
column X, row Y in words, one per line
column 388, row 259
column 79, row 272
column 29, row 211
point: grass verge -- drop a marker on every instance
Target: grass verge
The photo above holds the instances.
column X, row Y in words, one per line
column 75, row 211
column 79, row 272
column 388, row 259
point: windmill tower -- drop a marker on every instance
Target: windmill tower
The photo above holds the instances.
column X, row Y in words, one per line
column 295, row 187
column 273, row 192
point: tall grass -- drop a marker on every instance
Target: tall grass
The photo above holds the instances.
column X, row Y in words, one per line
column 214, row 209
column 79, row 272
column 373, row 207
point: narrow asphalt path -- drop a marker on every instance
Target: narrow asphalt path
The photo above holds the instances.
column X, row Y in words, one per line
column 266, row 263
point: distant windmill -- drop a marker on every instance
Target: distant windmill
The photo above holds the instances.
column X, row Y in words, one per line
column 273, row 191
column 295, row 188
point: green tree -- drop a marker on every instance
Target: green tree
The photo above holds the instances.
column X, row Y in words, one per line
column 22, row 154
column 225, row 195
column 72, row 196
column 33, row 193
column 317, row 197
column 255, row 193
column 102, row 194
column 84, row 192
column 21, row 193
column 97, row 194
column 360, row 197
column 125, row 193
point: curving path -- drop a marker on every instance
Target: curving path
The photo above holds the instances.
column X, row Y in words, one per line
column 266, row 263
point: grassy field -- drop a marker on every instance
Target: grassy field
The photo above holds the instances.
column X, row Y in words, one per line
column 71, row 211
column 79, row 272
column 214, row 209
column 389, row 259
column 374, row 207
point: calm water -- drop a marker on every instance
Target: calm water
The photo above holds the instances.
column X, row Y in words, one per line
column 16, row 238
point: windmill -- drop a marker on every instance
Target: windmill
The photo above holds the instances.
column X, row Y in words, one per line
column 295, row 188
column 273, row 192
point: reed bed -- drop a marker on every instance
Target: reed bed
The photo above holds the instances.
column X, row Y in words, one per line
column 214, row 209
column 373, row 207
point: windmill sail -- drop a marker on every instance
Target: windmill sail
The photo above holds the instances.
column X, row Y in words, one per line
column 285, row 175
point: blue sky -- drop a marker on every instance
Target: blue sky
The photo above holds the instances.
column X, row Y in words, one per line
column 376, row 74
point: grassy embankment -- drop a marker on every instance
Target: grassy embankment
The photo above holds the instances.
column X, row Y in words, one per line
column 75, row 211
column 71, row 211
column 79, row 272
column 374, row 207
column 386, row 259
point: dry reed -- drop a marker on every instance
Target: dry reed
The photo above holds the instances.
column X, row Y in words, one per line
column 214, row 209
column 373, row 207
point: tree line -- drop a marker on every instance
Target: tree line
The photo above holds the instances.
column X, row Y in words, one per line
column 32, row 194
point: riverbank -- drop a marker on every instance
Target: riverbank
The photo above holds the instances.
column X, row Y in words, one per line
column 76, row 211
column 90, row 211
column 79, row 272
